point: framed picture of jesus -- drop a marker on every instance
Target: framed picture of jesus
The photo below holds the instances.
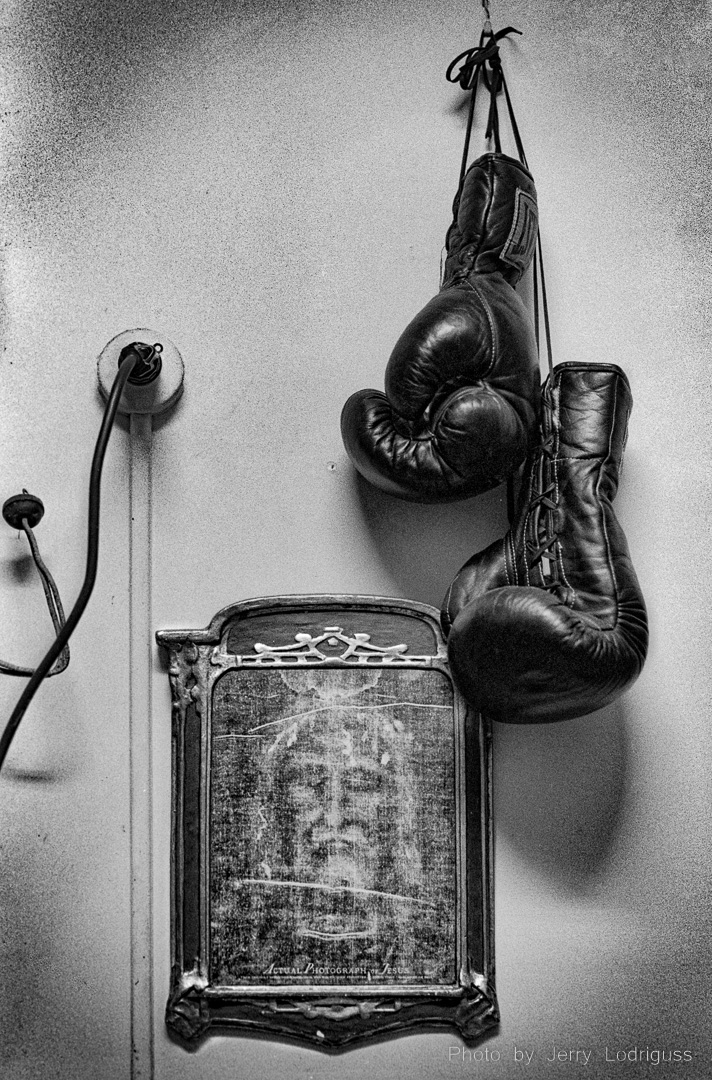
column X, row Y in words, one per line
column 331, row 825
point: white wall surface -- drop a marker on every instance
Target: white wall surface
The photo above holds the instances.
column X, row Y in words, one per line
column 269, row 185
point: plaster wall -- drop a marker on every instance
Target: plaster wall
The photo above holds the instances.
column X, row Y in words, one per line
column 269, row 184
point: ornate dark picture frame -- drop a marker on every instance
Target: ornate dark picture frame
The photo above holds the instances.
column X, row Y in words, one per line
column 331, row 837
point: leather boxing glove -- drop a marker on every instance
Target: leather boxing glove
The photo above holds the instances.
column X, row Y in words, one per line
column 462, row 383
column 549, row 623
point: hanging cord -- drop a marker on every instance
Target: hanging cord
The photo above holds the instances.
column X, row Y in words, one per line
column 541, row 503
column 131, row 358
column 498, row 84
column 466, row 70
column 54, row 605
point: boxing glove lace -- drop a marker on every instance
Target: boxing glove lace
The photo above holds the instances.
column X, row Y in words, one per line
column 549, row 623
column 462, row 383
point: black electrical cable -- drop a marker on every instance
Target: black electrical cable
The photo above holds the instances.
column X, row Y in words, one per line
column 54, row 603
column 126, row 367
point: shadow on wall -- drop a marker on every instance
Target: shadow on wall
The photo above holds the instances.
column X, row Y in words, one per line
column 88, row 62
column 558, row 788
column 558, row 793
column 37, row 926
column 423, row 545
column 38, row 1002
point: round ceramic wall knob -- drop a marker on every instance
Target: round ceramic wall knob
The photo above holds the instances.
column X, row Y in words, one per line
column 24, row 506
column 153, row 397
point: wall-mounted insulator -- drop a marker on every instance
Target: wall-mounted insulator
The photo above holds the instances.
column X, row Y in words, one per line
column 156, row 381
column 23, row 507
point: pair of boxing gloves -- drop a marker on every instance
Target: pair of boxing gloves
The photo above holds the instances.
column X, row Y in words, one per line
column 548, row 623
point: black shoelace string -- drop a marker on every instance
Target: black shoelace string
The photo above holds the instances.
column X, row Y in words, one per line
column 484, row 61
column 127, row 364
column 466, row 69
column 542, row 506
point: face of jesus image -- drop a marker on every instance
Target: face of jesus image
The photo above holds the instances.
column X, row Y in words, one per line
column 334, row 847
column 340, row 790
column 339, row 793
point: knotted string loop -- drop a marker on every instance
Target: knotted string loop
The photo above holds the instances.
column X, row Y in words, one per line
column 474, row 59
column 466, row 69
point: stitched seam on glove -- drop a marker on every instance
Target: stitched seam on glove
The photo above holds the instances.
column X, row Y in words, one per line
column 526, row 561
column 513, row 554
column 609, row 558
column 525, row 526
column 570, row 600
column 557, row 447
column 488, row 312
column 625, row 443
column 446, row 605
column 563, row 458
column 490, row 200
